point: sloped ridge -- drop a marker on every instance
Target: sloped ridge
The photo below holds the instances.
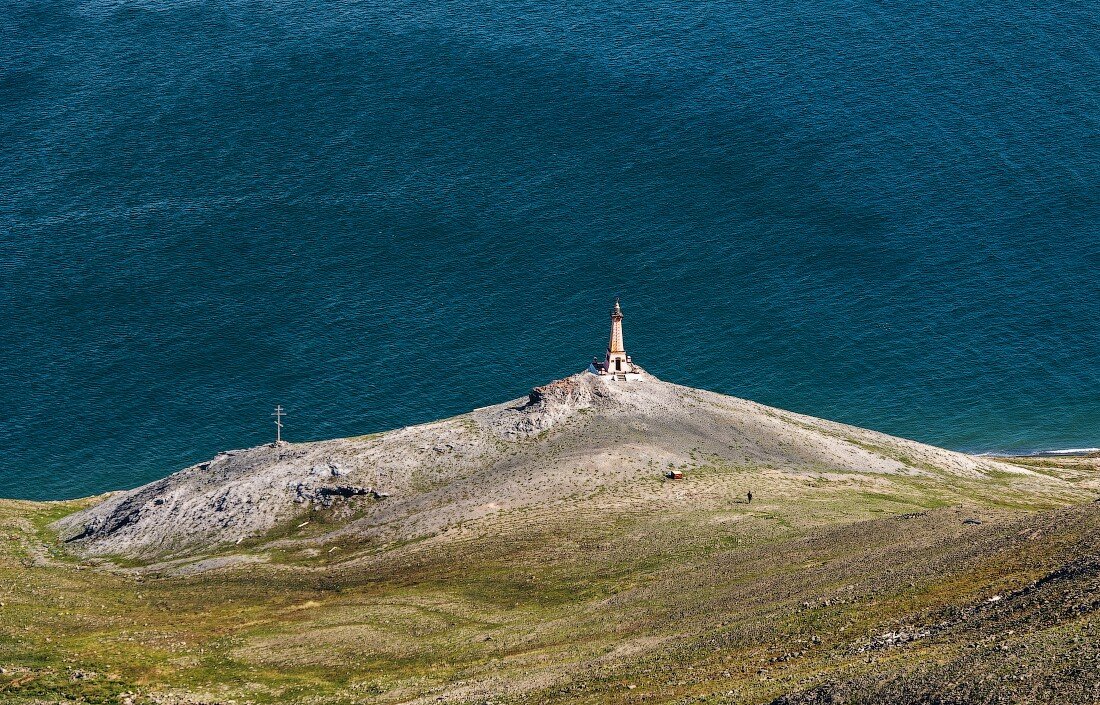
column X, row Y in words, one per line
column 247, row 493
column 1064, row 595
column 579, row 436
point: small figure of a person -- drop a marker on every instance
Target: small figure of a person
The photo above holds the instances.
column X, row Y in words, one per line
column 750, row 497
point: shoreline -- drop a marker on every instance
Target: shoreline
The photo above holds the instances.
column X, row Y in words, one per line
column 1060, row 453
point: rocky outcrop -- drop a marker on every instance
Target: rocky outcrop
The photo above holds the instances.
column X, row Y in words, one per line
column 550, row 404
column 326, row 496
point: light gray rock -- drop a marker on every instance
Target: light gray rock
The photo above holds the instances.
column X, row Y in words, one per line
column 419, row 480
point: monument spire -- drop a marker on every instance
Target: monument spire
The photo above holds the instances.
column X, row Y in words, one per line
column 616, row 344
column 616, row 364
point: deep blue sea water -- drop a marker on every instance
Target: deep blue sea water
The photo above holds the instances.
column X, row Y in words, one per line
column 382, row 213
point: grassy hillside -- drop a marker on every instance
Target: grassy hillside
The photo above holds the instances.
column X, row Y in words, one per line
column 573, row 572
column 819, row 581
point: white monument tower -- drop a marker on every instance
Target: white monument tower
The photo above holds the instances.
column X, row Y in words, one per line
column 616, row 364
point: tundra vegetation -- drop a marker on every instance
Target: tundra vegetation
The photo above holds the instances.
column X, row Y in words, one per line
column 536, row 552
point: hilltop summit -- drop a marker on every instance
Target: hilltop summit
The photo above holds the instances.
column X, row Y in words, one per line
column 585, row 441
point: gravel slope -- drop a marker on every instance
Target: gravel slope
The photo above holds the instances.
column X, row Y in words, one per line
column 578, row 439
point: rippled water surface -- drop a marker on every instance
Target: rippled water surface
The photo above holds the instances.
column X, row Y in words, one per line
column 378, row 214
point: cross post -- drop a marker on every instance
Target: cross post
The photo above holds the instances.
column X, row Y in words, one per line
column 279, row 414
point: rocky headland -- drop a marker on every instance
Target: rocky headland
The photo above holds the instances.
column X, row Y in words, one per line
column 575, row 437
column 591, row 542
